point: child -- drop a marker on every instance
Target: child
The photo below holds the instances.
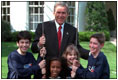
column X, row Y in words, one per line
column 41, row 73
column 55, row 68
column 98, row 66
column 72, row 56
column 22, row 64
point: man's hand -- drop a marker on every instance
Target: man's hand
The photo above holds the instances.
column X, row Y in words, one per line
column 42, row 41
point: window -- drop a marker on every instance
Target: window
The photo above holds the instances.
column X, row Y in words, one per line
column 6, row 10
column 36, row 9
column 71, row 16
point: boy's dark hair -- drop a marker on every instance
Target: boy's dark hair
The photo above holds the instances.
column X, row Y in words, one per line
column 24, row 35
column 99, row 36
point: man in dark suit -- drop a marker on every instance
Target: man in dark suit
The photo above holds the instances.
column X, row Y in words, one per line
column 51, row 33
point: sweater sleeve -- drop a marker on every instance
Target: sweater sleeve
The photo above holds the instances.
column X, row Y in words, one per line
column 91, row 72
column 20, row 67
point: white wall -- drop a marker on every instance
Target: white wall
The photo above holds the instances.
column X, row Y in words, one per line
column 18, row 15
column 48, row 11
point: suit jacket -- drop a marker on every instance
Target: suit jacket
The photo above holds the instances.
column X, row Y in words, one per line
column 50, row 31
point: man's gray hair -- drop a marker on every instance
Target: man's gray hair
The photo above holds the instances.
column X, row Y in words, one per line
column 63, row 4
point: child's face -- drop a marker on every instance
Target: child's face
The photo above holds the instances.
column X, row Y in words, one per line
column 95, row 46
column 23, row 45
column 55, row 68
column 71, row 57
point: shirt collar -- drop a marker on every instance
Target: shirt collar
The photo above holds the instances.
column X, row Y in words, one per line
column 57, row 25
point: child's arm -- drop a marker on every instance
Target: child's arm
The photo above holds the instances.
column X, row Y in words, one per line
column 95, row 72
column 75, row 66
column 24, row 70
column 42, row 54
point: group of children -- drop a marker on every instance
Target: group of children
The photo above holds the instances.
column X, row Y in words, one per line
column 22, row 64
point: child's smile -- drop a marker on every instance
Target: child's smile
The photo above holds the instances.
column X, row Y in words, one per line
column 94, row 46
column 23, row 45
column 55, row 68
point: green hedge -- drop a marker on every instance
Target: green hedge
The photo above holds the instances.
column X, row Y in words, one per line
column 33, row 35
column 14, row 34
column 85, row 36
column 6, row 31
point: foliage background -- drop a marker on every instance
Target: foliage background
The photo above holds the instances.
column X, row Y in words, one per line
column 96, row 16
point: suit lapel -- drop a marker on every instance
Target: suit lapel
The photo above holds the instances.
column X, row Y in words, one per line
column 54, row 33
column 65, row 38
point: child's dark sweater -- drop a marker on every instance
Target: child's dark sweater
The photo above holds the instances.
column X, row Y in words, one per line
column 25, row 65
column 97, row 68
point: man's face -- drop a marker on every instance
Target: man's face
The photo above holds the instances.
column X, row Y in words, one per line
column 60, row 14
column 55, row 68
column 94, row 45
column 23, row 45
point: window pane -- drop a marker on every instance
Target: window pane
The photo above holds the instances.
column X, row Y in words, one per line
column 31, row 26
column 31, row 3
column 68, row 3
column 4, row 17
column 41, row 10
column 68, row 20
column 3, row 3
column 71, row 12
column 8, row 18
column 35, row 14
column 36, row 3
column 31, row 18
column 36, row 10
column 35, row 18
column 41, row 18
column 4, row 10
column 8, row 10
column 8, row 3
column 73, row 4
column 35, row 25
column 42, row 3
column 30, row 10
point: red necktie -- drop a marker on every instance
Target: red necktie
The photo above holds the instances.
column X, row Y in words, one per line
column 59, row 36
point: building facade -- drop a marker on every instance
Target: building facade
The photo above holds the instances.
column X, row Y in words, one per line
column 25, row 15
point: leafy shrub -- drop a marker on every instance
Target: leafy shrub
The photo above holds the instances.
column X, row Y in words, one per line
column 107, row 35
column 6, row 31
column 85, row 36
column 14, row 35
column 96, row 16
column 33, row 35
column 111, row 20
